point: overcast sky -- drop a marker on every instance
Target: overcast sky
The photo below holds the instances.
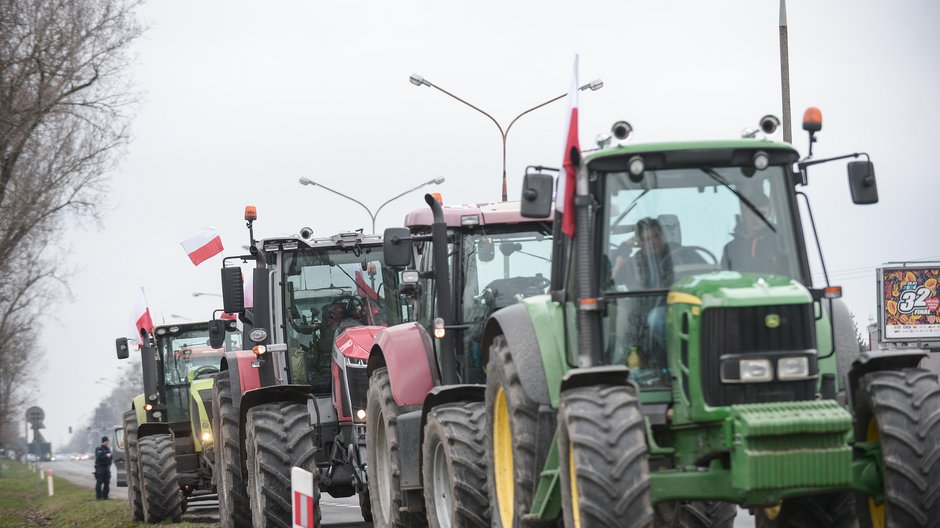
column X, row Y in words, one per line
column 240, row 99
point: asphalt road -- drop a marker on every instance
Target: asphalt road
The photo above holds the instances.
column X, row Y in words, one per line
column 337, row 513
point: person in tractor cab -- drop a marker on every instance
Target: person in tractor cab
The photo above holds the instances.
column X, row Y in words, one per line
column 754, row 246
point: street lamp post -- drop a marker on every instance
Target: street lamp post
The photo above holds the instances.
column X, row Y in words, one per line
column 435, row 181
column 200, row 294
column 418, row 80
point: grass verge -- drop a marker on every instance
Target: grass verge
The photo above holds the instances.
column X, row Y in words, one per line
column 24, row 502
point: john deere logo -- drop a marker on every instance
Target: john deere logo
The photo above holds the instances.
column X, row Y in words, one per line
column 772, row 320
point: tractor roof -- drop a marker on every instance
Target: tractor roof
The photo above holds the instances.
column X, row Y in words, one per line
column 343, row 239
column 693, row 152
column 494, row 213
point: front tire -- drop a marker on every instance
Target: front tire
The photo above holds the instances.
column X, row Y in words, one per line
column 605, row 481
column 454, row 480
column 512, row 441
column 131, row 470
column 900, row 409
column 382, row 460
column 234, row 510
column 279, row 437
column 829, row 510
column 695, row 514
column 160, row 488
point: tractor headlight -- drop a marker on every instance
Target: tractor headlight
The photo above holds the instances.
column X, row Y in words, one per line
column 206, row 437
column 791, row 368
column 755, row 370
column 361, row 415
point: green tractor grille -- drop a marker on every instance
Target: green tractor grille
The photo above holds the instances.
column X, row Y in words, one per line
column 745, row 331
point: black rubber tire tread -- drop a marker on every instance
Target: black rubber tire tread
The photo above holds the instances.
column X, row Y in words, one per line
column 365, row 506
column 460, row 428
column 279, row 436
column 526, row 443
column 905, row 404
column 829, row 510
column 130, row 466
column 234, row 508
column 603, row 426
column 381, row 408
column 160, row 488
column 695, row 514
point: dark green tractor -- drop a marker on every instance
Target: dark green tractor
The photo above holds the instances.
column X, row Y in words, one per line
column 684, row 363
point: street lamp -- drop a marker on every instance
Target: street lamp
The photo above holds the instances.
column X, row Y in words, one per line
column 435, row 181
column 418, row 80
column 200, row 294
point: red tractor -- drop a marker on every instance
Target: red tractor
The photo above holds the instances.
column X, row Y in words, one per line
column 298, row 397
column 425, row 405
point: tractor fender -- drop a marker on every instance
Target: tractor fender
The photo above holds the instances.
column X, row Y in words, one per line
column 137, row 405
column 152, row 428
column 515, row 323
column 883, row 359
column 254, row 397
column 242, row 374
column 593, row 376
column 406, row 350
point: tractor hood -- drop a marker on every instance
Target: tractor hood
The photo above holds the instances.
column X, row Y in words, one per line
column 356, row 342
column 730, row 289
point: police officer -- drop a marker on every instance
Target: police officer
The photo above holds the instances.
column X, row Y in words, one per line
column 102, row 469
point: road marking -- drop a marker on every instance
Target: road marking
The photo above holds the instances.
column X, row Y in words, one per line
column 340, row 504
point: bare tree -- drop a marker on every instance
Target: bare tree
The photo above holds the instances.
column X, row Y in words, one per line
column 64, row 106
column 64, row 117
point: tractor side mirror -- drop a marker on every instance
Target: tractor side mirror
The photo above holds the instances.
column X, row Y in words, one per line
column 217, row 332
column 862, row 182
column 233, row 292
column 537, row 195
column 396, row 245
column 122, row 351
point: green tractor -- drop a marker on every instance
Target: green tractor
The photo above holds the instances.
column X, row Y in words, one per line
column 167, row 433
column 684, row 364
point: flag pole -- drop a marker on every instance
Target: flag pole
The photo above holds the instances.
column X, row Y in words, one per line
column 785, row 72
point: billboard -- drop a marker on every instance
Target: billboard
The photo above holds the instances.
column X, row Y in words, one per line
column 910, row 304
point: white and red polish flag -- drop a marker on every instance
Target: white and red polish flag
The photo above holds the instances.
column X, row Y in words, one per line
column 564, row 201
column 141, row 317
column 203, row 245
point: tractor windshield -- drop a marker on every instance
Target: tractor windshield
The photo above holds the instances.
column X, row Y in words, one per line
column 327, row 291
column 187, row 356
column 672, row 224
column 499, row 267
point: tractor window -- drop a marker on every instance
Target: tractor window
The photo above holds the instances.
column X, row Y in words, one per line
column 186, row 356
column 499, row 268
column 330, row 290
column 679, row 223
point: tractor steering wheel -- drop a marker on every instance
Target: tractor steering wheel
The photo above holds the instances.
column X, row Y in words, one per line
column 205, row 371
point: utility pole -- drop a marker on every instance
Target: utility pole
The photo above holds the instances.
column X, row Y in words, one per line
column 785, row 72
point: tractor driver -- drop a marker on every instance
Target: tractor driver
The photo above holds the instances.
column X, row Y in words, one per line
column 650, row 268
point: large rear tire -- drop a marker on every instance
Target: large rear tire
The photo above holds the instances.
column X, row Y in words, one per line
column 513, row 444
column 454, row 479
column 900, row 409
column 234, row 509
column 382, row 460
column 279, row 437
column 695, row 514
column 605, row 481
column 131, row 471
column 160, row 488
column 829, row 510
column 365, row 506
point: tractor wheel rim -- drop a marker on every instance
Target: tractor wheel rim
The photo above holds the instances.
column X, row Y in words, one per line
column 875, row 511
column 502, row 459
column 575, row 497
column 442, row 496
column 382, row 470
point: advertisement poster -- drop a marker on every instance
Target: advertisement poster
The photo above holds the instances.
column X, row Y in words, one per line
column 910, row 303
